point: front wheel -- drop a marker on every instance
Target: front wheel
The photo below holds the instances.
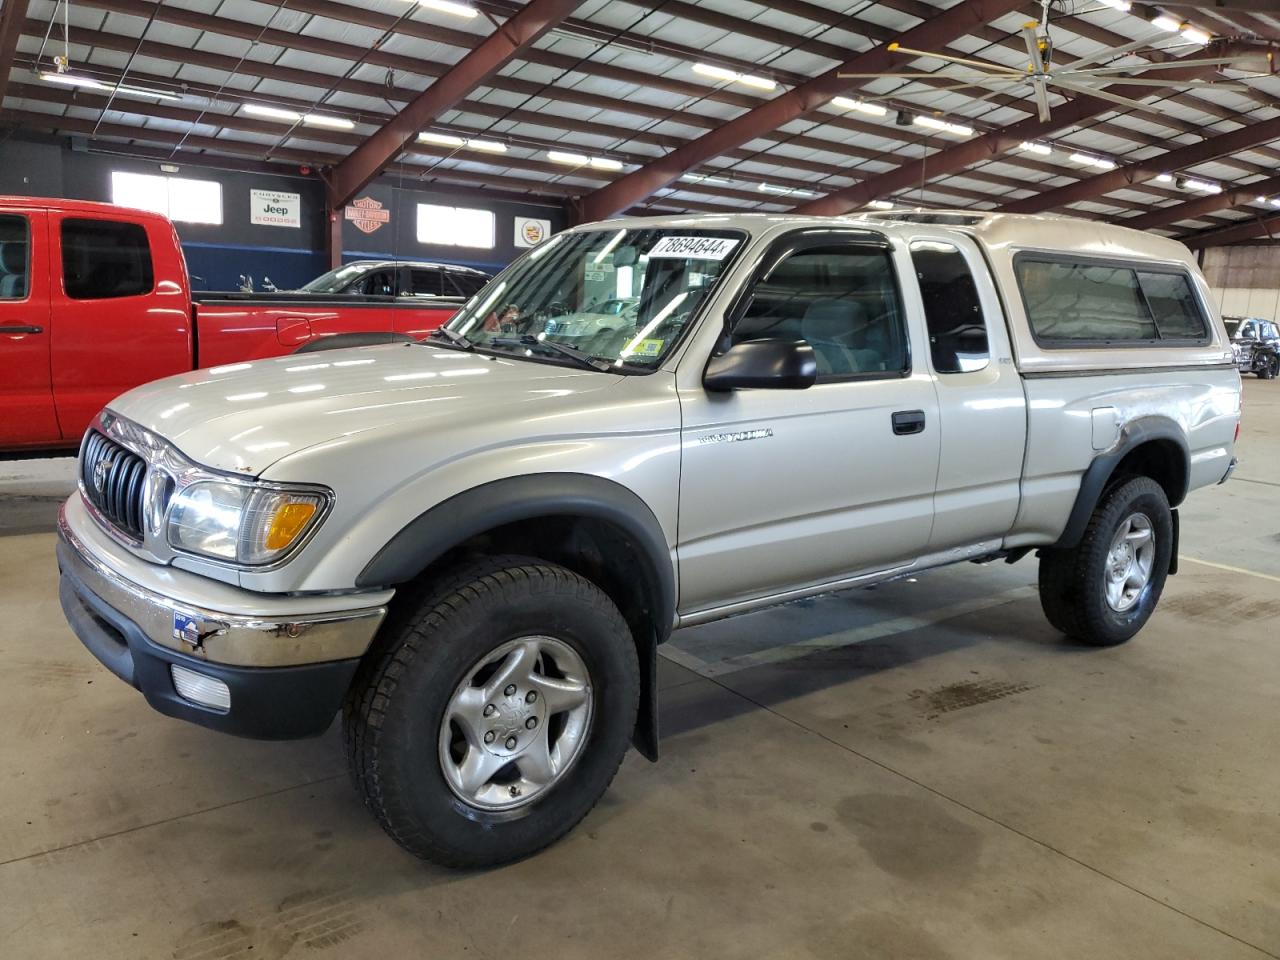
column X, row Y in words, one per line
column 1270, row 369
column 1103, row 591
column 496, row 714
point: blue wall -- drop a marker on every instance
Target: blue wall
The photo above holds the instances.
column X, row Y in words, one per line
column 221, row 254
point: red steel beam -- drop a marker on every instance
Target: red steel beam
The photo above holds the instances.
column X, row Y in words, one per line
column 1258, row 228
column 986, row 147
column 795, row 103
column 1132, row 174
column 12, row 19
column 480, row 64
column 1203, row 207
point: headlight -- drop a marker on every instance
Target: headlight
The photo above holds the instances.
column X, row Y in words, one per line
column 241, row 523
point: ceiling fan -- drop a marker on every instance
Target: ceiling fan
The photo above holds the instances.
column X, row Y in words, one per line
column 1087, row 76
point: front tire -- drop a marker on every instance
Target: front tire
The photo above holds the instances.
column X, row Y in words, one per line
column 1270, row 370
column 1104, row 590
column 495, row 713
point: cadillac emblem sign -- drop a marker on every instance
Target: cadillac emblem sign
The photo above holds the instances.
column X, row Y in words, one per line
column 367, row 214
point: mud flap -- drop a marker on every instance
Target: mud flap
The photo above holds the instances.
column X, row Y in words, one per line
column 1173, row 556
column 645, row 736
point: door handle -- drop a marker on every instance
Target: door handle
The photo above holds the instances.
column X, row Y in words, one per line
column 20, row 328
column 907, row 422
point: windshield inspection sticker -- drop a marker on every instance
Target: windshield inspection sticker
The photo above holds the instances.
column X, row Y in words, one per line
column 692, row 248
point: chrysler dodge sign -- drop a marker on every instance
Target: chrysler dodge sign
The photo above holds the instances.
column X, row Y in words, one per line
column 271, row 208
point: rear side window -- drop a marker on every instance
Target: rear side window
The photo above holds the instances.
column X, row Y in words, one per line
column 1080, row 302
column 15, row 257
column 426, row 283
column 843, row 300
column 466, row 284
column 957, row 328
column 102, row 259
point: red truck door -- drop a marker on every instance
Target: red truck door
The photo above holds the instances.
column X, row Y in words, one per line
column 26, row 393
column 123, row 307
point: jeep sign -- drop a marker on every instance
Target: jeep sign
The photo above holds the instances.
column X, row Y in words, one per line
column 274, row 209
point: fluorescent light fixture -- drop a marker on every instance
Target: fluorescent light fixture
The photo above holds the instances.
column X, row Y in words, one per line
column 1122, row 5
column 1165, row 178
column 1201, row 186
column 449, row 140
column 1275, row 201
column 88, row 83
column 574, row 159
column 880, row 205
column 943, row 126
column 580, row 160
column 1041, row 148
column 1102, row 163
column 331, row 123
column 847, row 103
column 271, row 113
column 1164, row 22
column 785, row 191
column 444, row 139
column 70, row 80
column 1196, row 35
column 448, row 6
column 732, row 76
column 703, row 178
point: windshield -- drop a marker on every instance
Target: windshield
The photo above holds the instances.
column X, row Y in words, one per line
column 622, row 296
column 336, row 281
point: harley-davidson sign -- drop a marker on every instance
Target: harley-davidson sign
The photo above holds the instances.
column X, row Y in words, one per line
column 367, row 214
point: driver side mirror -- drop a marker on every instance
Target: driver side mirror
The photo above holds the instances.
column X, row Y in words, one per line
column 763, row 364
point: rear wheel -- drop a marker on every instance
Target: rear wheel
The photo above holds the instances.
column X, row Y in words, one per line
column 496, row 713
column 1103, row 591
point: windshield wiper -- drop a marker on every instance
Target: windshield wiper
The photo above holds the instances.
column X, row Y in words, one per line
column 573, row 353
column 457, row 339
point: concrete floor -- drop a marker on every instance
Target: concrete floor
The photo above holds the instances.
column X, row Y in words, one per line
column 920, row 771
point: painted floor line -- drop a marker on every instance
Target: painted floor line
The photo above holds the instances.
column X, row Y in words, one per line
column 1225, row 566
column 832, row 641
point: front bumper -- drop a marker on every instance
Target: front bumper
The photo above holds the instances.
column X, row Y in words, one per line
column 286, row 672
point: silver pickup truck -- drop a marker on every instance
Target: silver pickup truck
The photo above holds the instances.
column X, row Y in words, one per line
column 473, row 546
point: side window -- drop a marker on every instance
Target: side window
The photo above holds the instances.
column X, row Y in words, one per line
column 102, row 259
column 957, row 328
column 379, row 283
column 1247, row 331
column 426, row 283
column 15, row 257
column 1173, row 304
column 843, row 300
column 1071, row 302
column 467, row 284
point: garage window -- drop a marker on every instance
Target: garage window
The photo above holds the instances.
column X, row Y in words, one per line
column 15, row 259
column 178, row 198
column 1071, row 302
column 104, row 259
column 455, row 226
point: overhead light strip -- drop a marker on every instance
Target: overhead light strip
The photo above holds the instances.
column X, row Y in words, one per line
column 732, row 76
column 451, row 140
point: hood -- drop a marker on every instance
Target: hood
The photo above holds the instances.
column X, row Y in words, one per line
column 243, row 417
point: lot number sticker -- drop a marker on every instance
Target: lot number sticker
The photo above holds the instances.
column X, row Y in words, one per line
column 692, row 248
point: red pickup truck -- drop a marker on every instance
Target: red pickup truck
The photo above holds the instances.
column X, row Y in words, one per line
column 95, row 299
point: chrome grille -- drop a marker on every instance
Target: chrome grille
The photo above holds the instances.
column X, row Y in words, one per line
column 114, row 479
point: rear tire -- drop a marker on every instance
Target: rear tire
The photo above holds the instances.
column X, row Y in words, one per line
column 468, row 776
column 1102, row 591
